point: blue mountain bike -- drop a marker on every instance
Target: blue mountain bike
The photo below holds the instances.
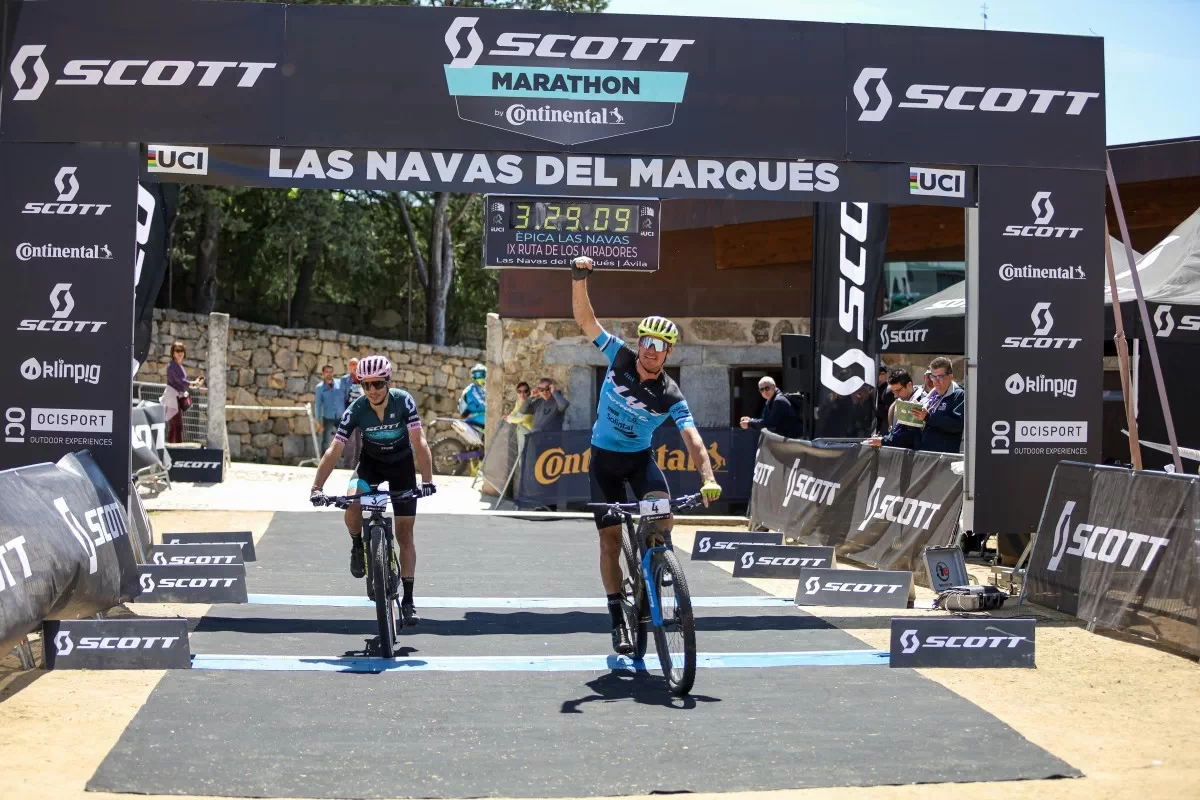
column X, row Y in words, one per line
column 655, row 588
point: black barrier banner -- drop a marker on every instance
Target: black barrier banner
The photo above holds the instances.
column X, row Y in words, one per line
column 148, row 421
column 975, row 642
column 192, row 584
column 849, row 243
column 117, row 644
column 157, row 203
column 67, row 216
column 197, row 464
column 514, row 172
column 723, row 545
column 64, row 545
column 780, row 561
column 845, row 587
column 1121, row 549
column 880, row 507
column 1038, row 385
column 554, row 465
column 195, row 555
column 492, row 79
column 244, row 539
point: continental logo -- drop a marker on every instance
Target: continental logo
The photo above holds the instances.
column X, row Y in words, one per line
column 553, row 463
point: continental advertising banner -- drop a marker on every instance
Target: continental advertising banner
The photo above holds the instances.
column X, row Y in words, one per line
column 555, row 464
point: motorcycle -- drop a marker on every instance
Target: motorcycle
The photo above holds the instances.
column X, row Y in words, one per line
column 459, row 452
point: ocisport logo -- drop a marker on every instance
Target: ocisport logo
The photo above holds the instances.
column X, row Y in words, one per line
column 1100, row 543
column 67, row 186
column 962, row 98
column 911, row 642
column 852, row 308
column 126, row 72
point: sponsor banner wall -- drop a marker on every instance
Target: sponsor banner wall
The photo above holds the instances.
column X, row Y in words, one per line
column 516, row 172
column 1121, row 549
column 1039, row 381
column 64, row 545
column 554, row 465
column 67, row 221
column 157, row 204
column 197, row 464
column 849, row 244
column 880, row 507
column 492, row 79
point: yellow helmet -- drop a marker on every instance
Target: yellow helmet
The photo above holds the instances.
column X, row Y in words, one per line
column 659, row 327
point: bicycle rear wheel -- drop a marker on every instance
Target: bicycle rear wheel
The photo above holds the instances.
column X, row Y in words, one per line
column 676, row 639
column 446, row 460
column 385, row 607
column 634, row 589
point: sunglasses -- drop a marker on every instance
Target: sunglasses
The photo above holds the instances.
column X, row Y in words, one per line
column 651, row 343
column 939, row 377
column 374, row 384
column 764, row 389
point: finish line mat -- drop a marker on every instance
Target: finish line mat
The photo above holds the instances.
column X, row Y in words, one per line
column 521, row 699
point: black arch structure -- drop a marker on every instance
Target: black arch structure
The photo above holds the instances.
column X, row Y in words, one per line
column 98, row 94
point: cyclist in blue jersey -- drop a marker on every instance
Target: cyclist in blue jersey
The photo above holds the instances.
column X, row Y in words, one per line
column 391, row 435
column 637, row 396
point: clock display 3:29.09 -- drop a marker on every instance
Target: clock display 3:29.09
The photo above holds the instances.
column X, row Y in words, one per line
column 573, row 217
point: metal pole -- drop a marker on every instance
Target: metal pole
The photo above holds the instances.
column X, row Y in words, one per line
column 971, row 450
column 1135, row 448
column 1145, row 315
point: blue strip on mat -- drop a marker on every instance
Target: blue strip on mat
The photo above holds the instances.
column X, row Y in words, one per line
column 355, row 601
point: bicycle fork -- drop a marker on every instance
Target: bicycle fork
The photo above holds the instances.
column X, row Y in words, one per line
column 651, row 589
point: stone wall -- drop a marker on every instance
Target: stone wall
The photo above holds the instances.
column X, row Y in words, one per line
column 528, row 349
column 273, row 366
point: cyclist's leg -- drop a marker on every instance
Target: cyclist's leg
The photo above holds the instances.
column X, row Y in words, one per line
column 608, row 486
column 365, row 475
column 402, row 476
column 648, row 481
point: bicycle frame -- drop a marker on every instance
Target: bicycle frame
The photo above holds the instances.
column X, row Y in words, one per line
column 651, row 589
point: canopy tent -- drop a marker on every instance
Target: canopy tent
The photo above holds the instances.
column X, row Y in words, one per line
column 937, row 323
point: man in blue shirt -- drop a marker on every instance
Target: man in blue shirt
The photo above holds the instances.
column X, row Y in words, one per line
column 943, row 412
column 329, row 403
column 637, row 396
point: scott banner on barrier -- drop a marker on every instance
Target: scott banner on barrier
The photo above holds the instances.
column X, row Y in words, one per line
column 849, row 243
column 67, row 222
column 880, row 507
column 1037, row 384
column 64, row 545
column 554, row 465
column 1120, row 549
column 504, row 80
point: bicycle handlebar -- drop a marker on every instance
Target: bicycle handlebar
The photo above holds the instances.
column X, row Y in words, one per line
column 345, row 501
column 647, row 507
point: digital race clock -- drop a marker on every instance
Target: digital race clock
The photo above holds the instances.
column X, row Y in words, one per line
column 550, row 232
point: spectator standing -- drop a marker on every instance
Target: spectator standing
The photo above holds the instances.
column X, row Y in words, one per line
column 928, row 381
column 883, row 401
column 943, row 412
column 517, row 416
column 354, row 391
column 901, row 386
column 175, row 397
column 548, row 407
column 329, row 405
column 778, row 415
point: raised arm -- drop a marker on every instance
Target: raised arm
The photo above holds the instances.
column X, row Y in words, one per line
column 581, row 305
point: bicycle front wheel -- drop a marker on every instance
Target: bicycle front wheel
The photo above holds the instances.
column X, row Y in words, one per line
column 634, row 589
column 676, row 639
column 385, row 607
column 447, row 459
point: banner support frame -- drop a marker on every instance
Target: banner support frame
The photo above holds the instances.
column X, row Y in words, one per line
column 971, row 430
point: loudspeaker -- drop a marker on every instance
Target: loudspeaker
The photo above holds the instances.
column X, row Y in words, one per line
column 797, row 362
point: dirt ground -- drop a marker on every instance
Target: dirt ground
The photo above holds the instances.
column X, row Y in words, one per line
column 1125, row 714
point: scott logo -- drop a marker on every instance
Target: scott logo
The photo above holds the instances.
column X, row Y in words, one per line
column 124, row 72
column 1100, row 543
column 909, row 336
column 961, row 98
column 1043, row 212
column 915, row 513
column 813, row 585
column 62, row 303
column 176, row 561
column 196, row 464
column 63, row 645
column 852, row 305
column 552, row 45
column 1164, row 322
column 747, row 560
column 1043, row 323
column 68, row 186
column 808, row 487
column 910, row 642
column 147, row 582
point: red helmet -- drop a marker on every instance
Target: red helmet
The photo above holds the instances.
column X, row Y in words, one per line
column 374, row 367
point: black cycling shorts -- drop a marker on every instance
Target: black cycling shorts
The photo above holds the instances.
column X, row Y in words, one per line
column 610, row 471
column 401, row 476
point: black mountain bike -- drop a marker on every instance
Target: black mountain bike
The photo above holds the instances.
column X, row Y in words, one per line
column 383, row 563
column 656, row 590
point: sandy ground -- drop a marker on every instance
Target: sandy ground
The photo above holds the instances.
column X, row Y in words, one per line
column 1124, row 713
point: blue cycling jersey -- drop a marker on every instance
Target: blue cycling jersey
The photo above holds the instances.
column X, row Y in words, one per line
column 630, row 409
